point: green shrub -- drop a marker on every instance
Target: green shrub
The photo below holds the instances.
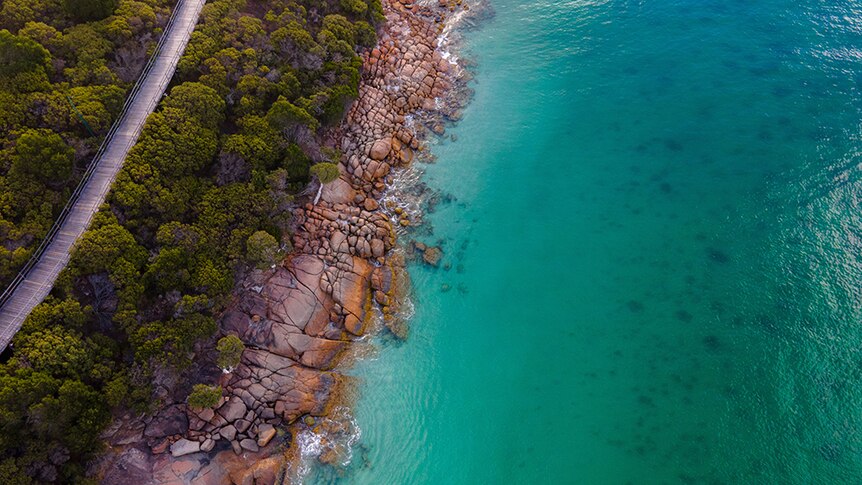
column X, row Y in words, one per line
column 230, row 350
column 20, row 54
column 262, row 249
column 325, row 172
column 43, row 155
column 204, row 396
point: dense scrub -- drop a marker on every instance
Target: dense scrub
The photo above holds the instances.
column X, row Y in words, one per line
column 54, row 53
column 203, row 196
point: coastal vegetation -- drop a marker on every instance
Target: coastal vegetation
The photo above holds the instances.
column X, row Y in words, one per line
column 324, row 172
column 230, row 349
column 203, row 197
column 65, row 69
column 204, row 396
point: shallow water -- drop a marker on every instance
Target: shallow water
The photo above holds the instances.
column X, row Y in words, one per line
column 655, row 256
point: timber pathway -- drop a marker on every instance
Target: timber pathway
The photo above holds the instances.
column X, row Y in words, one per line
column 35, row 281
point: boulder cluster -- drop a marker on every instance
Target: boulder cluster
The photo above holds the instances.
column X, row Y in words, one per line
column 403, row 75
column 297, row 319
column 338, row 232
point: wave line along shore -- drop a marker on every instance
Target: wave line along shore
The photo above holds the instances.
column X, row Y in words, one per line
column 299, row 319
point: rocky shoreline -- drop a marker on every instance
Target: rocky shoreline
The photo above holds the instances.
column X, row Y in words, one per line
column 299, row 319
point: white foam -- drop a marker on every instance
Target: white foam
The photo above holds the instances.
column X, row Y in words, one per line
column 312, row 444
column 310, row 447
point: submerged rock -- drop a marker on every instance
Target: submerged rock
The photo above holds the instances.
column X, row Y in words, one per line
column 432, row 256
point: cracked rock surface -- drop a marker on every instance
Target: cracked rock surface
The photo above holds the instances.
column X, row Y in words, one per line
column 298, row 318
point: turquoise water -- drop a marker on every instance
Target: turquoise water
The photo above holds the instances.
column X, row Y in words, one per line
column 655, row 243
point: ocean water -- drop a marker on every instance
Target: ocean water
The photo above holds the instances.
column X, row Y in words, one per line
column 652, row 217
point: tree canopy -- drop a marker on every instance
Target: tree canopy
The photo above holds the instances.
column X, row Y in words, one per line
column 204, row 197
column 54, row 53
column 44, row 155
column 198, row 101
column 85, row 10
column 20, row 54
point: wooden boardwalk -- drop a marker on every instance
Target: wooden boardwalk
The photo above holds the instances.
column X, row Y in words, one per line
column 37, row 278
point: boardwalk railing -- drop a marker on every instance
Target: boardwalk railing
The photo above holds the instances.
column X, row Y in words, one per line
column 10, row 321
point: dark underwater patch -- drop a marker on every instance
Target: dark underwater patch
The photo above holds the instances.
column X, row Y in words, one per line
column 717, row 255
column 683, row 316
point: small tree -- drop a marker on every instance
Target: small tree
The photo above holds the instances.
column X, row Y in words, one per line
column 290, row 119
column 230, row 350
column 204, row 396
column 198, row 101
column 325, row 173
column 262, row 249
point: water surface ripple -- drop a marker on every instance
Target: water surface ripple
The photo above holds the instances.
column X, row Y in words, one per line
column 654, row 240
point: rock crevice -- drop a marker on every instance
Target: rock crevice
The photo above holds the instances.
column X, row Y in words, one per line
column 298, row 318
